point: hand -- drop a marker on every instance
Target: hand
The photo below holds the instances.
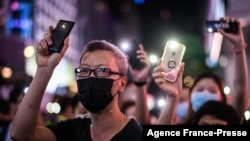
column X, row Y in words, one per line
column 172, row 89
column 236, row 38
column 142, row 74
column 44, row 58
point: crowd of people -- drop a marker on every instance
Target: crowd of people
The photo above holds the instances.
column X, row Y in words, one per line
column 99, row 113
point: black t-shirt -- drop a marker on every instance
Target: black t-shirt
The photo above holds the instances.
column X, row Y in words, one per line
column 79, row 130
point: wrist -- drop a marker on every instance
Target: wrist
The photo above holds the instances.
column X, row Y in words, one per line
column 239, row 49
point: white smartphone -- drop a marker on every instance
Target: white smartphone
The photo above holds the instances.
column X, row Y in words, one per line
column 172, row 58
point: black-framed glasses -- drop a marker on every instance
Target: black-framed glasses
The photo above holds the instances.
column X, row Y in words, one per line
column 98, row 72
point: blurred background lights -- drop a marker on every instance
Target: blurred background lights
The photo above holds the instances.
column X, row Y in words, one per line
column 29, row 51
column 125, row 46
column 247, row 115
column 161, row 102
column 53, row 108
column 49, row 107
column 210, row 29
column 139, row 1
column 6, row 72
column 26, row 89
column 223, row 61
column 153, row 59
column 227, row 90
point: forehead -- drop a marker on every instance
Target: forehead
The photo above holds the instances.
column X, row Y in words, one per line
column 99, row 58
column 211, row 120
column 207, row 83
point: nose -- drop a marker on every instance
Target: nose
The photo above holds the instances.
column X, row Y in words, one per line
column 92, row 73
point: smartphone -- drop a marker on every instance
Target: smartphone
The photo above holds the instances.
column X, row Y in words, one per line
column 172, row 58
column 133, row 60
column 61, row 31
column 214, row 26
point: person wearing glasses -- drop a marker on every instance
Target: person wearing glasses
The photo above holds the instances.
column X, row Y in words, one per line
column 101, row 77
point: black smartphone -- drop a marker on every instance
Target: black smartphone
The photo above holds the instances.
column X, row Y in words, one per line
column 214, row 26
column 133, row 60
column 61, row 31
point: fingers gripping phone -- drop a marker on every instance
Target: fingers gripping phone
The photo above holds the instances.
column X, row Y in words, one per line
column 172, row 58
column 62, row 30
column 133, row 60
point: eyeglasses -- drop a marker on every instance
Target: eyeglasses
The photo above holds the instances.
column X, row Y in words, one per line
column 98, row 72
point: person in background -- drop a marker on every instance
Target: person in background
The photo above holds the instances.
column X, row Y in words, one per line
column 215, row 113
column 140, row 79
column 209, row 86
column 101, row 77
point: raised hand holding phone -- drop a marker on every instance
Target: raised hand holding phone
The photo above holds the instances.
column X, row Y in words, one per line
column 172, row 58
column 59, row 34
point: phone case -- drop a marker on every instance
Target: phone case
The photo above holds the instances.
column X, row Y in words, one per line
column 172, row 58
column 62, row 30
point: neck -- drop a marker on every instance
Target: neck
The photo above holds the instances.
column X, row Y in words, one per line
column 105, row 127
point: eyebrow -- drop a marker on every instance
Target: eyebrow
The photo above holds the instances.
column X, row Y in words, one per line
column 98, row 66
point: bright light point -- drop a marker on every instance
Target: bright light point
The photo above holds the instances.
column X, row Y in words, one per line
column 29, row 51
column 26, row 89
column 226, row 90
column 161, row 103
column 247, row 115
column 153, row 59
column 49, row 107
column 125, row 46
column 56, row 108
column 210, row 30
column 6, row 72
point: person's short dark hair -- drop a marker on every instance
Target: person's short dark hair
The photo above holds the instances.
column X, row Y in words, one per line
column 219, row 110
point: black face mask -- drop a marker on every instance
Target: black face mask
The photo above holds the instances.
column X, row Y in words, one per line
column 95, row 93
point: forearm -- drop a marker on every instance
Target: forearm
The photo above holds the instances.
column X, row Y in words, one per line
column 167, row 114
column 25, row 121
column 240, row 83
column 142, row 112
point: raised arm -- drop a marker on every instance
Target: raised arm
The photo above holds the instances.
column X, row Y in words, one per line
column 172, row 91
column 25, row 121
column 239, row 94
column 140, row 79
